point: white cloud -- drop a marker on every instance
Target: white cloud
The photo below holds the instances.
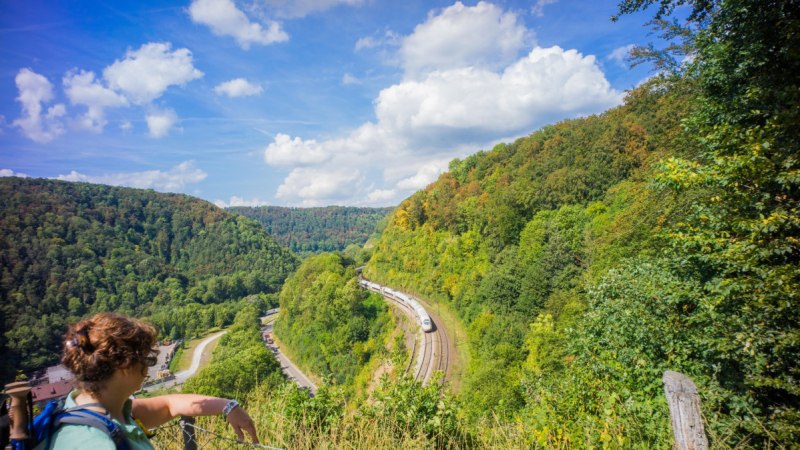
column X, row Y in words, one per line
column 239, row 201
column 238, row 87
column 172, row 181
column 159, row 122
column 424, row 121
column 620, row 53
column 348, row 80
column 287, row 151
column 461, row 36
column 546, row 84
column 34, row 91
column 126, row 126
column 538, row 8
column 225, row 19
column 426, row 175
column 302, row 8
column 318, row 186
column 82, row 89
column 146, row 73
column 11, row 173
column 383, row 196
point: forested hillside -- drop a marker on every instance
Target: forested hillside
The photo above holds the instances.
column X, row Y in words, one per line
column 314, row 230
column 593, row 255
column 71, row 249
column 333, row 326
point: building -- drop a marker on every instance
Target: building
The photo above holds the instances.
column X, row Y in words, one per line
column 52, row 391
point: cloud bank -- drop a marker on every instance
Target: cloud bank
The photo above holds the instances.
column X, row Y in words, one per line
column 173, row 180
column 473, row 76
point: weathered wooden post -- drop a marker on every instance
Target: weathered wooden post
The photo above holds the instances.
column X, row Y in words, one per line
column 684, row 412
column 189, row 438
column 19, row 410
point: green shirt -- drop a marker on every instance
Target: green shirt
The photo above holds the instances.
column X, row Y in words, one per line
column 69, row 436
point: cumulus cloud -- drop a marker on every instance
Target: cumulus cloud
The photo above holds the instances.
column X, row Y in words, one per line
column 82, row 89
column 225, row 19
column 461, row 36
column 144, row 74
column 426, row 175
column 318, row 186
column 620, row 53
column 382, row 196
column 546, row 84
column 448, row 106
column 287, row 151
column 35, row 90
column 172, row 180
column 239, row 201
column 11, row 173
column 238, row 87
column 159, row 122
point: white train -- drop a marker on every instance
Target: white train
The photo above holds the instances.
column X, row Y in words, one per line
column 411, row 302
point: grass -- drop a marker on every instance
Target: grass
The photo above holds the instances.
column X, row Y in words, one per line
column 279, row 429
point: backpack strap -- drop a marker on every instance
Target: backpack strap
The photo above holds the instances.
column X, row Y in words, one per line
column 81, row 416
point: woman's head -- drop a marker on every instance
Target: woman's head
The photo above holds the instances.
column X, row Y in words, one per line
column 96, row 347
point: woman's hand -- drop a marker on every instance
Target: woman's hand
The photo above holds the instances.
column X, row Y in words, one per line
column 241, row 423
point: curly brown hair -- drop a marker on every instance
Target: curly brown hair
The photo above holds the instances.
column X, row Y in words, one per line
column 96, row 347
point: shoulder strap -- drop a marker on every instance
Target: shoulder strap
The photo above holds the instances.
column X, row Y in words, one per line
column 82, row 416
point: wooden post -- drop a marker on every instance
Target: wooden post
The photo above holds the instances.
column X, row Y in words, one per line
column 684, row 412
column 189, row 438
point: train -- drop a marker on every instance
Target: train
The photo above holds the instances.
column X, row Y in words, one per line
column 422, row 316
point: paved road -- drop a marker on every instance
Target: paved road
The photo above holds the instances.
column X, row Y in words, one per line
column 288, row 367
column 182, row 376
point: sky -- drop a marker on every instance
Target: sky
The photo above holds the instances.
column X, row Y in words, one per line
column 295, row 103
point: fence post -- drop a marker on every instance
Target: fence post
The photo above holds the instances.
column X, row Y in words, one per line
column 684, row 412
column 19, row 410
column 189, row 442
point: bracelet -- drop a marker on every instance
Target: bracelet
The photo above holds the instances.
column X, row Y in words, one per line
column 229, row 407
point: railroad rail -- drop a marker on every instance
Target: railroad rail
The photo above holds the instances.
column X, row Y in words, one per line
column 431, row 345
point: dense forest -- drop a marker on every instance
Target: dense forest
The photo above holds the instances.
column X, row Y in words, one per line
column 314, row 230
column 71, row 249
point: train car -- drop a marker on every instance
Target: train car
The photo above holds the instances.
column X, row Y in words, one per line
column 422, row 315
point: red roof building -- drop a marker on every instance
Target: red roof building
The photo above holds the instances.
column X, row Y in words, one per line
column 46, row 392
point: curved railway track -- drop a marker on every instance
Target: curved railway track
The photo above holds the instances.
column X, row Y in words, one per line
column 430, row 352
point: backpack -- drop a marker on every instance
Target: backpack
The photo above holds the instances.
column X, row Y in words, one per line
column 54, row 415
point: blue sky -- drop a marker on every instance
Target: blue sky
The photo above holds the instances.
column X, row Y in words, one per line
column 300, row 103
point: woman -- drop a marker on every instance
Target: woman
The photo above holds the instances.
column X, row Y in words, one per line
column 109, row 355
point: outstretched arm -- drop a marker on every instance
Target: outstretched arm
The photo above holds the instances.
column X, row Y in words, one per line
column 155, row 411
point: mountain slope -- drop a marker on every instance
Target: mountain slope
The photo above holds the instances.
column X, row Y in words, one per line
column 70, row 249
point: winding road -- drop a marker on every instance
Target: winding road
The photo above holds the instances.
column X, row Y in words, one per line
column 184, row 375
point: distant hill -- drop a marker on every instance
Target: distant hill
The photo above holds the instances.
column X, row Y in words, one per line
column 71, row 249
column 315, row 230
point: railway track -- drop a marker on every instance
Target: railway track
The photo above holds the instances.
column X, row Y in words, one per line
column 430, row 352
